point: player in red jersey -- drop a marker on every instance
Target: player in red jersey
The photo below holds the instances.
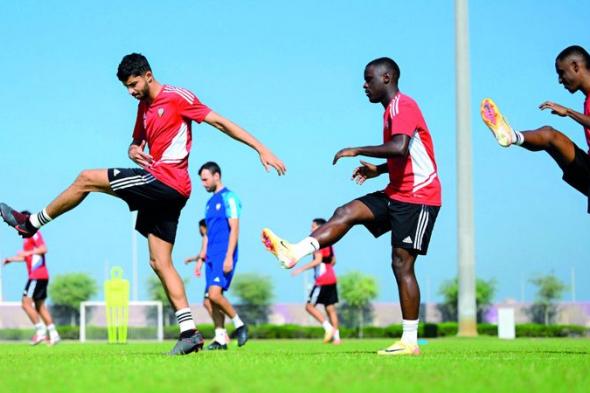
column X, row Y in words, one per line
column 573, row 70
column 35, row 293
column 159, row 189
column 408, row 207
column 324, row 290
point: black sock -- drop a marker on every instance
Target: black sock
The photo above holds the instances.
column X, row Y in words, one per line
column 188, row 333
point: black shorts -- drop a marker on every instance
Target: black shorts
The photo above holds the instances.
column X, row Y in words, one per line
column 158, row 205
column 577, row 173
column 410, row 224
column 36, row 289
column 323, row 294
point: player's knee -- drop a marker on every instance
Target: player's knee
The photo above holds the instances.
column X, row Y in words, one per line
column 159, row 264
column 215, row 297
column 549, row 133
column 84, row 179
column 342, row 213
column 24, row 303
column 401, row 265
column 309, row 307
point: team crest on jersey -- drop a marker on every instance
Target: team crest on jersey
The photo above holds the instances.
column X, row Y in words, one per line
column 218, row 206
column 160, row 111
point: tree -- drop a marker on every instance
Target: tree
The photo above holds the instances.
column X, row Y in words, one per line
column 357, row 290
column 255, row 293
column 156, row 292
column 449, row 290
column 67, row 291
column 550, row 289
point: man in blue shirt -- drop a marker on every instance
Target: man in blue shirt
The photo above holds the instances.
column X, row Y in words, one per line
column 222, row 218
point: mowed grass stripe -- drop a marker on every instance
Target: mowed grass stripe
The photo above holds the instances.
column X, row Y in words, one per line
column 447, row 365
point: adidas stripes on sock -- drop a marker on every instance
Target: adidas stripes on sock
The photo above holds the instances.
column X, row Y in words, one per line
column 40, row 219
column 185, row 320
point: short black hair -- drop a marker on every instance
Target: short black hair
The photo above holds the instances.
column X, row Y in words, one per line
column 574, row 50
column 133, row 64
column 26, row 212
column 388, row 63
column 211, row 167
column 202, row 223
column 319, row 221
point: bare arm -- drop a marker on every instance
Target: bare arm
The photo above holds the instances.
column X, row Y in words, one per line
column 234, row 229
column 398, row 146
column 317, row 259
column 267, row 158
column 563, row 111
column 202, row 253
column 20, row 257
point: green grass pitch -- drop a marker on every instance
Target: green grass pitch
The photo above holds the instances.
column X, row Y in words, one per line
column 446, row 365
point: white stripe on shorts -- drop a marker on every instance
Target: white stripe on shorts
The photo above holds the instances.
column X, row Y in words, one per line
column 421, row 229
column 132, row 181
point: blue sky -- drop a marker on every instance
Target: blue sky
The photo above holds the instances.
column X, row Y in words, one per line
column 291, row 73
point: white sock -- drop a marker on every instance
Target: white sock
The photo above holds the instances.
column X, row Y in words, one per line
column 52, row 330
column 336, row 335
column 519, row 138
column 185, row 319
column 220, row 335
column 327, row 326
column 410, row 331
column 40, row 329
column 40, row 219
column 237, row 321
column 307, row 246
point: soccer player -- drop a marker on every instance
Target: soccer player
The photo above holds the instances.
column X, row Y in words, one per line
column 408, row 207
column 222, row 217
column 324, row 290
column 35, row 293
column 573, row 70
column 159, row 189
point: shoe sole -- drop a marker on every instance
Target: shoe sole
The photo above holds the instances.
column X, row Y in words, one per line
column 492, row 118
column 269, row 240
column 6, row 213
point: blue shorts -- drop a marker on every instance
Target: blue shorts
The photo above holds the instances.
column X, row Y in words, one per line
column 214, row 275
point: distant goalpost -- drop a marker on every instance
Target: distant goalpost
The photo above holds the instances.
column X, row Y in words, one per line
column 93, row 313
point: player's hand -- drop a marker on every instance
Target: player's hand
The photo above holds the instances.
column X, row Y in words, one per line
column 228, row 265
column 137, row 155
column 188, row 260
column 6, row 261
column 364, row 172
column 268, row 159
column 198, row 267
column 556, row 109
column 348, row 152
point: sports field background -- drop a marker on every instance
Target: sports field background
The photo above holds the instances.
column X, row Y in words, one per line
column 446, row 365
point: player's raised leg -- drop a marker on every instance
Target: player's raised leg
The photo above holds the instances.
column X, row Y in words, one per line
column 344, row 218
column 95, row 180
column 190, row 339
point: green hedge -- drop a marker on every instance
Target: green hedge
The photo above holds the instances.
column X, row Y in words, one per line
column 267, row 331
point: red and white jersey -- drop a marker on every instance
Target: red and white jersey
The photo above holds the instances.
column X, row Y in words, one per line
column 324, row 272
column 165, row 125
column 414, row 178
column 587, row 113
column 35, row 263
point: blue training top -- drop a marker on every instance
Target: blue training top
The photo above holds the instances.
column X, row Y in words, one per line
column 222, row 206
